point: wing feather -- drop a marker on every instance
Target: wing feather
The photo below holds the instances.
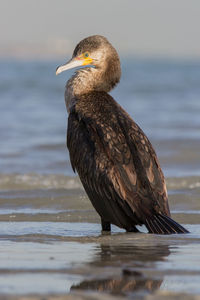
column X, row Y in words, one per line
column 115, row 160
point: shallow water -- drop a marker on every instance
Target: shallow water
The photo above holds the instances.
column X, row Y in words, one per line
column 50, row 237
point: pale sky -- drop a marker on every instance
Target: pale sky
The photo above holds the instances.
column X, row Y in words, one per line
column 137, row 27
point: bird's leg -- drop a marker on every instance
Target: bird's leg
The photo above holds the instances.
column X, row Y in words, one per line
column 105, row 225
column 132, row 229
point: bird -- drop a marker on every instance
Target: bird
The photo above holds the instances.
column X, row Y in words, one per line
column 113, row 157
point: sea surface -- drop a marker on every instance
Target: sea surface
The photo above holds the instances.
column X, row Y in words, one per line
column 50, row 238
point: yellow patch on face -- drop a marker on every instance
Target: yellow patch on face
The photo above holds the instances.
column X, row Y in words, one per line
column 85, row 57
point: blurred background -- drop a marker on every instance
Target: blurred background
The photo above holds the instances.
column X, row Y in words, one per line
column 50, row 235
column 159, row 46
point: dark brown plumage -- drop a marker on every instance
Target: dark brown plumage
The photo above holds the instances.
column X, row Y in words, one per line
column 115, row 161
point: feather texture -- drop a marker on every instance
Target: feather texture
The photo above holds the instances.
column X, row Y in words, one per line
column 117, row 165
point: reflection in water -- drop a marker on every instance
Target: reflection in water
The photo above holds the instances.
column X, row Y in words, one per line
column 120, row 286
column 132, row 254
column 132, row 261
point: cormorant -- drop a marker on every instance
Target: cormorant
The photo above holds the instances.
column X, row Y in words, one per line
column 116, row 162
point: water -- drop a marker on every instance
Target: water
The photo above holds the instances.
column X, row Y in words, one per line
column 162, row 97
column 50, row 237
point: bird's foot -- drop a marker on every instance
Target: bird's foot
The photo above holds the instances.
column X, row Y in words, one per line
column 132, row 229
column 105, row 225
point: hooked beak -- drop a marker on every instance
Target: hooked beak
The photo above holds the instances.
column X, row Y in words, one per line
column 77, row 61
column 72, row 63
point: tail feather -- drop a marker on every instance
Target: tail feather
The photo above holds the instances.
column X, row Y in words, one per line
column 153, row 228
column 162, row 224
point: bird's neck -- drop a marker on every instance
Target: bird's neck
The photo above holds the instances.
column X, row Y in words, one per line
column 88, row 80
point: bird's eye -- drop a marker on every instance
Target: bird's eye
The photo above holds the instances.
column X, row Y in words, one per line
column 86, row 54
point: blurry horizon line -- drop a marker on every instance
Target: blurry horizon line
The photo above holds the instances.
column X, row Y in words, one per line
column 60, row 48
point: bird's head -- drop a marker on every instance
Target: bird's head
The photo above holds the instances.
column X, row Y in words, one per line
column 94, row 51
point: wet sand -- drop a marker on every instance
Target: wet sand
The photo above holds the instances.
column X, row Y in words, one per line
column 52, row 246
